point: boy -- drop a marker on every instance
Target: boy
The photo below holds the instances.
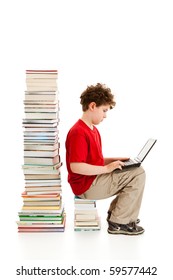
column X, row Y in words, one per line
column 91, row 176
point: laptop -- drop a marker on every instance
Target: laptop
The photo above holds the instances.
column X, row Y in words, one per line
column 141, row 156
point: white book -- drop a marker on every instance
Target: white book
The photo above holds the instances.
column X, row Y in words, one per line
column 42, row 116
column 45, row 110
column 90, row 211
column 40, row 133
column 43, row 168
column 41, row 147
column 43, row 193
column 86, row 223
column 41, row 153
column 43, row 188
column 56, row 180
column 42, row 161
column 39, row 171
column 41, row 129
column 85, row 217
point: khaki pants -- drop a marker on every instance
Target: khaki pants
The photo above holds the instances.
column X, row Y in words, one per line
column 126, row 187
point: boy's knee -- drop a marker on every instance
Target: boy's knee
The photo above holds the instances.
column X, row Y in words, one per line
column 140, row 170
column 141, row 173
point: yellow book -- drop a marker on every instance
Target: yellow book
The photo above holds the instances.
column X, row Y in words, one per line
column 40, row 207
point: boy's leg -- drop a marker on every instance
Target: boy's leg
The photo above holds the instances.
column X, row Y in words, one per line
column 125, row 207
column 127, row 185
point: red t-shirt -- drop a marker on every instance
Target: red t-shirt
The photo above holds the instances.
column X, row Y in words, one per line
column 82, row 145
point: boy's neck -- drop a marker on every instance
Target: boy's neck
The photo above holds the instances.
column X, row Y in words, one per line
column 87, row 121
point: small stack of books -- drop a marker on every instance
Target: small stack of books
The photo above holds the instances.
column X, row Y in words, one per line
column 85, row 215
column 42, row 209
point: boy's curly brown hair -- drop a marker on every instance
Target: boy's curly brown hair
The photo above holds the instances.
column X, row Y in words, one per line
column 99, row 93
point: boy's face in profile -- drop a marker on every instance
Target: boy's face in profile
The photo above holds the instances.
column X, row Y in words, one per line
column 99, row 113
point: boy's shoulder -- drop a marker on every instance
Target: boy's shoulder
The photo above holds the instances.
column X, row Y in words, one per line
column 80, row 131
column 81, row 126
column 78, row 127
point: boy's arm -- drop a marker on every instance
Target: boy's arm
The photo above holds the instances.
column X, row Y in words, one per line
column 89, row 169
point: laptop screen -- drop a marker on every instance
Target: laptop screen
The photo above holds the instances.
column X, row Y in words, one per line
column 145, row 150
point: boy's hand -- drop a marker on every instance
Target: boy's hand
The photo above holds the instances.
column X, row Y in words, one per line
column 118, row 164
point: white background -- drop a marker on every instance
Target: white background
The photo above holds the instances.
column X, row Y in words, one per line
column 128, row 46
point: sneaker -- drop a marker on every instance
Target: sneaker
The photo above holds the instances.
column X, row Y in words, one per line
column 128, row 229
column 109, row 215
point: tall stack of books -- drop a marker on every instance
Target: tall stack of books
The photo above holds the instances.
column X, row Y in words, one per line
column 43, row 209
column 85, row 215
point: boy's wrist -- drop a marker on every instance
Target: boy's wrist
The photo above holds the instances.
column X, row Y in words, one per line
column 105, row 169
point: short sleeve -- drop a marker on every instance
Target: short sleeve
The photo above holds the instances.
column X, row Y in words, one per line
column 77, row 148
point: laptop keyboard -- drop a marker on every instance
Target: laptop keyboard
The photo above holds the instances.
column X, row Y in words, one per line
column 129, row 162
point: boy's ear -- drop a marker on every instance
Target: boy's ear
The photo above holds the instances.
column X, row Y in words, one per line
column 92, row 106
